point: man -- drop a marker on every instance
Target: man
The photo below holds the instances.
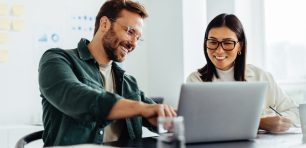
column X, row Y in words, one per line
column 86, row 97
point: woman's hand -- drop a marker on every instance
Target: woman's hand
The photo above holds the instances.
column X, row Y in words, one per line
column 275, row 123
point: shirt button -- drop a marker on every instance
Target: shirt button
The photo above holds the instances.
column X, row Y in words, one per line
column 101, row 132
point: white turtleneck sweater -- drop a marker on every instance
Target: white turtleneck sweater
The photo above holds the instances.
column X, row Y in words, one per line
column 225, row 75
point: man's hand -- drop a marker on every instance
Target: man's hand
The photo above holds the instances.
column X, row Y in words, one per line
column 275, row 123
column 152, row 111
column 125, row 108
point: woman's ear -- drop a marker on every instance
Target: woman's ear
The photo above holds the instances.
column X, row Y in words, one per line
column 240, row 48
column 241, row 44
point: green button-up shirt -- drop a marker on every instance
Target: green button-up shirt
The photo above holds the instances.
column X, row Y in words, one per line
column 75, row 103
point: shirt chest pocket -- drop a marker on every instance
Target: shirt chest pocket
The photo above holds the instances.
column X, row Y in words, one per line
column 91, row 83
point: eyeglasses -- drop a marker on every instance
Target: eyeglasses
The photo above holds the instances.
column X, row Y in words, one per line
column 131, row 31
column 227, row 45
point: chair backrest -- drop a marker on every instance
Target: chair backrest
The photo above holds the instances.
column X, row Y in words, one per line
column 29, row 138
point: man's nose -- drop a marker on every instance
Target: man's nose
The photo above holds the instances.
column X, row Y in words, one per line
column 134, row 41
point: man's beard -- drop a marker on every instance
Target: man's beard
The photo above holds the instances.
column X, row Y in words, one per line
column 111, row 43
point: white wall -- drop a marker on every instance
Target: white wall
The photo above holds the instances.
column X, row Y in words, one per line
column 216, row 7
column 194, row 26
column 165, row 49
column 251, row 14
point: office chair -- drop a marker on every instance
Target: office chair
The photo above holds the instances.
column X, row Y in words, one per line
column 28, row 138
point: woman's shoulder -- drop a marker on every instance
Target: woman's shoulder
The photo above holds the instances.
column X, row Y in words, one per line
column 253, row 68
column 253, row 71
column 194, row 77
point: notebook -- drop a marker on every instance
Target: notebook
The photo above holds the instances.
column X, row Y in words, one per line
column 221, row 111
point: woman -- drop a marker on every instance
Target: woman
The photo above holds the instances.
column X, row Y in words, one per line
column 225, row 52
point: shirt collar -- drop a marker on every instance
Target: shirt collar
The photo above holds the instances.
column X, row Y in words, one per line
column 117, row 67
column 83, row 50
column 248, row 74
column 85, row 55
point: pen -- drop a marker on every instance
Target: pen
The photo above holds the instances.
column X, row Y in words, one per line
column 295, row 125
column 275, row 111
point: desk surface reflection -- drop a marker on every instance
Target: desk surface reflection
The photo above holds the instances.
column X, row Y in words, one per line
column 262, row 141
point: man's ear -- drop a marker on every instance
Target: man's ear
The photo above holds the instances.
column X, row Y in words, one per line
column 104, row 24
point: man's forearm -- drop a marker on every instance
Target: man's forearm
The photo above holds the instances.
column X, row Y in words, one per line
column 125, row 108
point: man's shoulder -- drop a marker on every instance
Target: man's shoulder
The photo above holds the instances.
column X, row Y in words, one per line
column 60, row 51
column 129, row 77
column 57, row 54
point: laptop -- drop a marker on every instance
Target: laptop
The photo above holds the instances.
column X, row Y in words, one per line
column 221, row 111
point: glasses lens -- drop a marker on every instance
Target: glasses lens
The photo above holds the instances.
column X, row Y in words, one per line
column 212, row 44
column 133, row 32
column 228, row 45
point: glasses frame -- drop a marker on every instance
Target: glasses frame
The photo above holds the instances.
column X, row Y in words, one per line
column 131, row 31
column 221, row 42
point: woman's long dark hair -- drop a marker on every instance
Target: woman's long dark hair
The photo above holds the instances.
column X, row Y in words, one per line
column 234, row 24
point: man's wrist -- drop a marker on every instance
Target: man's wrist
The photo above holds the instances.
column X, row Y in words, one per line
column 140, row 108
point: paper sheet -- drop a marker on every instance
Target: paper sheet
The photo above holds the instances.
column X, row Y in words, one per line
column 4, row 37
column 292, row 130
column 3, row 55
column 4, row 9
column 4, row 24
column 17, row 10
column 17, row 25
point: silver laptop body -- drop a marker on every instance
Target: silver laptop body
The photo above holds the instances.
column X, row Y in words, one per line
column 221, row 111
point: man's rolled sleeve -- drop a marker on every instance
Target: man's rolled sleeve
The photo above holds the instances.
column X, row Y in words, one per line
column 104, row 105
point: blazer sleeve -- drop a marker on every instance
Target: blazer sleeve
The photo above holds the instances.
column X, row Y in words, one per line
column 282, row 102
column 194, row 77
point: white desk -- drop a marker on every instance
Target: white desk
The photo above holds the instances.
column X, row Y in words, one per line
column 262, row 141
column 280, row 141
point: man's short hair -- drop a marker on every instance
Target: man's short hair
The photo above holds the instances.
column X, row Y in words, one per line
column 112, row 9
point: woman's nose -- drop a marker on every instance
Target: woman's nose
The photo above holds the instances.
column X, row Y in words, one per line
column 220, row 49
